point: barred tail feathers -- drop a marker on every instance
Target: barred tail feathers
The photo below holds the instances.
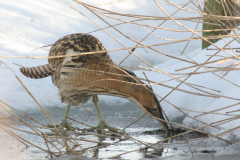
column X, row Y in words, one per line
column 38, row 72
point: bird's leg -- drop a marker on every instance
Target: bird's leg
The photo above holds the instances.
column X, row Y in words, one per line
column 102, row 125
column 96, row 103
column 65, row 123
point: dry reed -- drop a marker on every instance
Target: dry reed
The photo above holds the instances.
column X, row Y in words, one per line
column 61, row 143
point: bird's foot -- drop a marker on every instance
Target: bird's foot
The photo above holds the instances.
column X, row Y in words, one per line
column 100, row 128
column 65, row 124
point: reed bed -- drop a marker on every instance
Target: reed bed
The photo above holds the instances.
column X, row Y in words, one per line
column 63, row 141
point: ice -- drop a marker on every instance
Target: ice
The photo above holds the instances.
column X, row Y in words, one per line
column 27, row 25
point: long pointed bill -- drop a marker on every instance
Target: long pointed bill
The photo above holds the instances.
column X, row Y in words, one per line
column 159, row 115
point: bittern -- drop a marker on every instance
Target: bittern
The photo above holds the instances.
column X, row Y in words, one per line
column 82, row 76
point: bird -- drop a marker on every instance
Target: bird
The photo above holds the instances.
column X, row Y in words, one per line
column 80, row 76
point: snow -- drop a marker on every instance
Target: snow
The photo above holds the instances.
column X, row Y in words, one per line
column 27, row 25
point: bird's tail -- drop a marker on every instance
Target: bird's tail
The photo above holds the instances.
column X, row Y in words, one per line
column 38, row 72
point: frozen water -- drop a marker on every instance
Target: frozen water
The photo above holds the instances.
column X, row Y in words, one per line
column 27, row 25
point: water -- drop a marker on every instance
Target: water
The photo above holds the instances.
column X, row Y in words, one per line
column 146, row 130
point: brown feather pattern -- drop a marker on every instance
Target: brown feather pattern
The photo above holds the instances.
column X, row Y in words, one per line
column 80, row 77
column 38, row 72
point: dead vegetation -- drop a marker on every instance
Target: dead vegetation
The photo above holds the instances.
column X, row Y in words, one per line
column 62, row 141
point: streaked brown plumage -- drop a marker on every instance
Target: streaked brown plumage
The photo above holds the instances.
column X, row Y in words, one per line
column 38, row 72
column 80, row 77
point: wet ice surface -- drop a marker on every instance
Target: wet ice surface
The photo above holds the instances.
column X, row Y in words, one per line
column 120, row 115
column 34, row 24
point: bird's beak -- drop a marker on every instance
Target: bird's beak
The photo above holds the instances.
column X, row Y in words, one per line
column 158, row 115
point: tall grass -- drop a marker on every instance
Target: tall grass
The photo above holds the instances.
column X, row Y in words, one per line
column 59, row 143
